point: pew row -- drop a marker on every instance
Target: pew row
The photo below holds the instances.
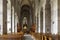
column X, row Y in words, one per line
column 12, row 37
column 41, row 36
column 38, row 36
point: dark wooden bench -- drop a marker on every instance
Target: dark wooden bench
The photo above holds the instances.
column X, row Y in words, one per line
column 11, row 37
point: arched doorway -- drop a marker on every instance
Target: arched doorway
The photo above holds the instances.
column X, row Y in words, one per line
column 26, row 11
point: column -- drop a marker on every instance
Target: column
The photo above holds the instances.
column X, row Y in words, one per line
column 48, row 17
column 54, row 16
column 9, row 16
column 58, row 16
column 1, row 17
column 41, row 20
column 12, row 15
column 18, row 7
column 16, row 19
column 16, row 12
column 44, row 18
column 38, row 21
column 4, row 16
column 36, row 9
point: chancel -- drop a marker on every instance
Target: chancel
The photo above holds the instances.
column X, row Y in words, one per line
column 29, row 19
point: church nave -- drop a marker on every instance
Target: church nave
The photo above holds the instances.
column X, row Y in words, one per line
column 29, row 19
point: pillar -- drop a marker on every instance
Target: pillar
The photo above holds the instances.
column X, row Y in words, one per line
column 1, row 17
column 54, row 17
column 48, row 17
column 8, row 16
column 16, row 15
column 4, row 16
column 12, row 16
column 18, row 9
column 59, row 17
column 41, row 20
column 36, row 10
column 44, row 17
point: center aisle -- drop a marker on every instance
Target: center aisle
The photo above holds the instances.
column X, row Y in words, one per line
column 28, row 37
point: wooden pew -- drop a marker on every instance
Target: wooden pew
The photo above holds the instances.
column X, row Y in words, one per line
column 55, row 37
column 58, row 37
column 46, row 37
column 41, row 36
column 11, row 37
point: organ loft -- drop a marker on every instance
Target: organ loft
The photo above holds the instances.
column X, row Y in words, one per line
column 29, row 19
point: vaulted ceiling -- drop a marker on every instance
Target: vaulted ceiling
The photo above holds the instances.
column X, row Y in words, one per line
column 28, row 2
